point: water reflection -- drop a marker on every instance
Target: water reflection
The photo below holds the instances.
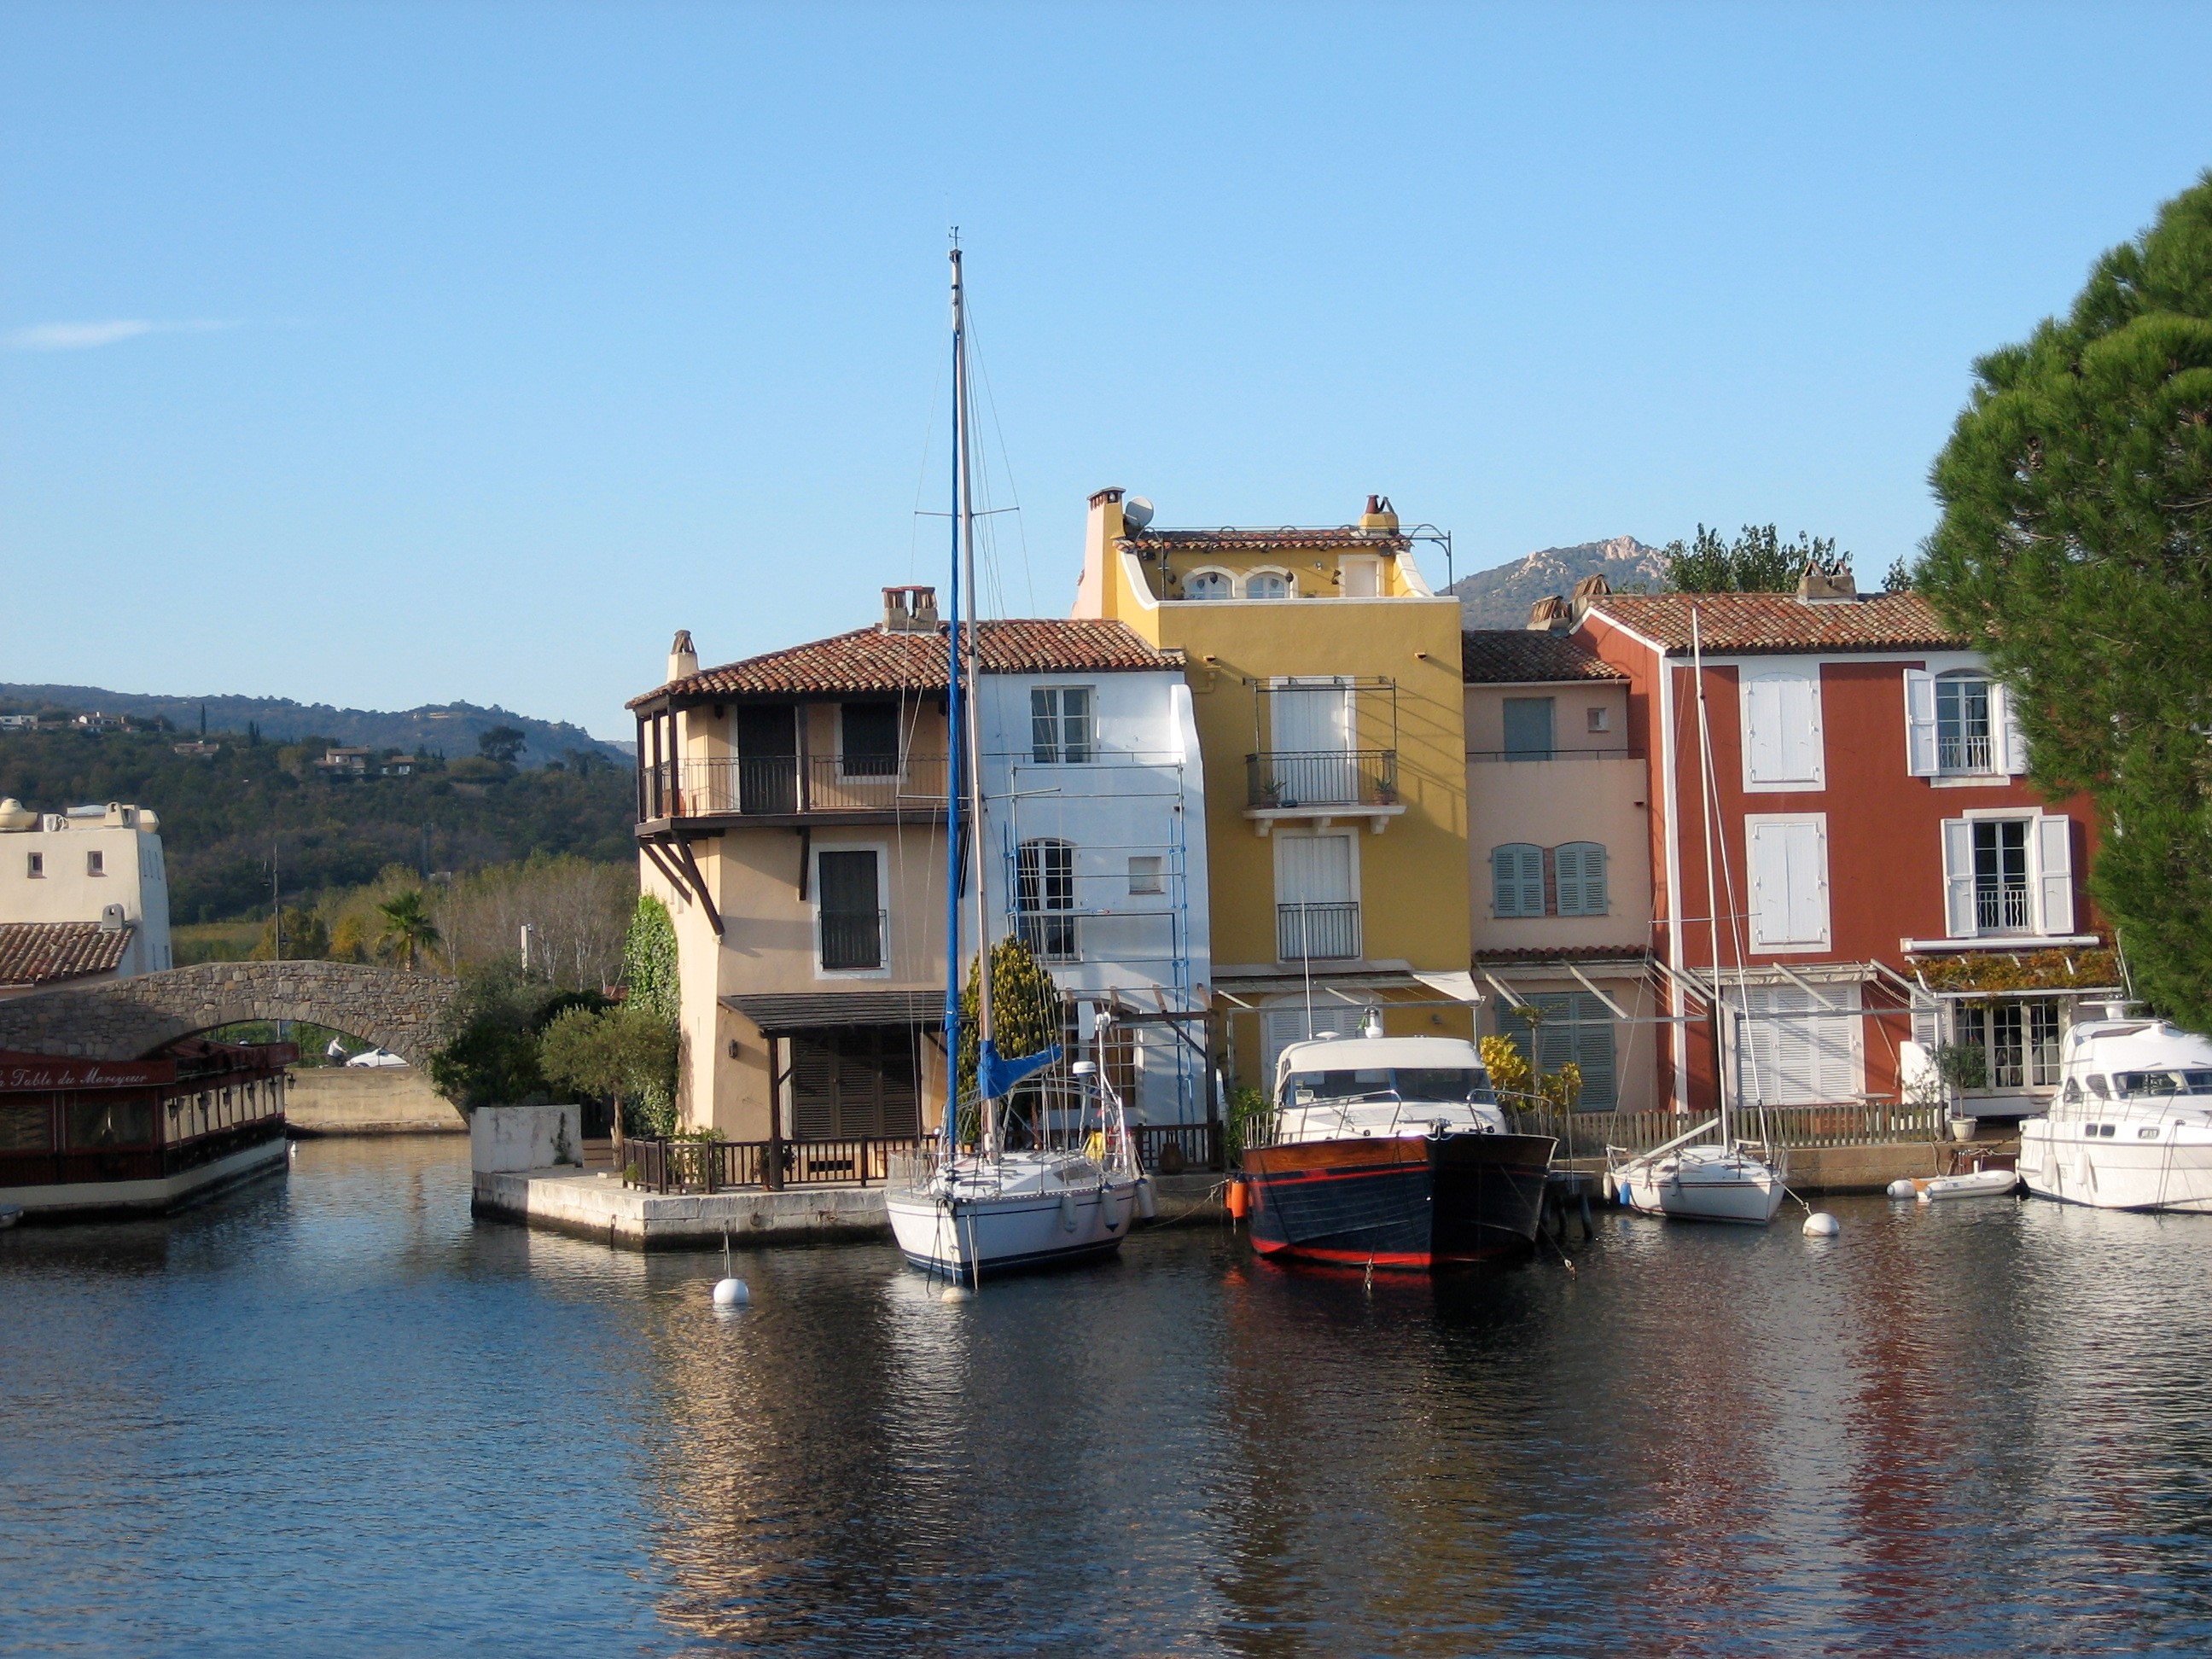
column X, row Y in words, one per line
column 333, row 1415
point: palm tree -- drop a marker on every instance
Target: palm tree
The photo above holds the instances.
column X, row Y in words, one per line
column 407, row 926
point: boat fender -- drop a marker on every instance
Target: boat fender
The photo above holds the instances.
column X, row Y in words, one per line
column 1903, row 1189
column 1239, row 1198
column 1068, row 1211
column 1148, row 1202
column 1822, row 1224
column 1110, row 1208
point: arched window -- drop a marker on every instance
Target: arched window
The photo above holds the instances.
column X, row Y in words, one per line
column 1268, row 585
column 1044, row 898
column 1209, row 585
column 1579, row 875
column 1516, row 879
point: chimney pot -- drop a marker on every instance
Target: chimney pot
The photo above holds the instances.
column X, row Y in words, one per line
column 909, row 610
column 682, row 658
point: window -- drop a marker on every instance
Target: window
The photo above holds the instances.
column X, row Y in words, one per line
column 1044, row 894
column 850, row 910
column 868, row 739
column 2018, row 1041
column 36, row 866
column 1597, row 720
column 2009, row 875
column 1789, row 861
column 1569, row 1025
column 1782, row 730
column 95, row 864
column 1579, row 879
column 1146, row 874
column 1209, row 585
column 1310, row 728
column 1516, row 879
column 1961, row 724
column 1794, row 1046
column 1060, row 728
column 851, row 1083
column 1316, row 898
column 1361, row 578
column 1528, row 728
column 1268, row 584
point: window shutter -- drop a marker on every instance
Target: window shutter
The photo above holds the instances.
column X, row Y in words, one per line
column 2009, row 741
column 1919, row 723
column 1958, row 878
column 1517, row 879
column 1762, row 722
column 1770, row 886
column 1801, row 728
column 2054, row 858
column 1582, row 879
column 1808, row 883
column 1782, row 734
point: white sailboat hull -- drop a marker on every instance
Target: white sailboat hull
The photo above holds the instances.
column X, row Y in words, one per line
column 965, row 1235
column 2146, row 1164
column 1702, row 1183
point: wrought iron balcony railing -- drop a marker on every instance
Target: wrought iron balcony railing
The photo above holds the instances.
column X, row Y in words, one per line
column 785, row 786
column 1317, row 933
column 852, row 941
column 1322, row 777
column 2001, row 907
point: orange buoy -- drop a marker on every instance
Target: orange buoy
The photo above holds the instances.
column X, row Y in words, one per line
column 1240, row 1200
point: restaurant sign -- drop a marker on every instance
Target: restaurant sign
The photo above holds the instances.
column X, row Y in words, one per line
column 19, row 1073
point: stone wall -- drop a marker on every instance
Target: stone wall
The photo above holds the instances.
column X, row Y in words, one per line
column 367, row 1100
column 130, row 1018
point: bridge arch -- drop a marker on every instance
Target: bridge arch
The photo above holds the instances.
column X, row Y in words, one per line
column 130, row 1018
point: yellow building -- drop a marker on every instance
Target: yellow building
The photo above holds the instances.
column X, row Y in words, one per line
column 1325, row 675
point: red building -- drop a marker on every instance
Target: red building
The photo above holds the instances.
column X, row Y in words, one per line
column 1887, row 881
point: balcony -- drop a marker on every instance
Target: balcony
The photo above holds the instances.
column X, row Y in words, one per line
column 2002, row 908
column 1321, row 783
column 851, row 941
column 1317, row 931
column 785, row 788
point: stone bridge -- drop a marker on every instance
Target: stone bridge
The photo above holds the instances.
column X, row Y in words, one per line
column 130, row 1018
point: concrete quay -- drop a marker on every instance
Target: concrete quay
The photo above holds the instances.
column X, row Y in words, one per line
column 594, row 1204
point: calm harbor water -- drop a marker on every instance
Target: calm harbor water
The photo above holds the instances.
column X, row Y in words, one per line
column 332, row 1415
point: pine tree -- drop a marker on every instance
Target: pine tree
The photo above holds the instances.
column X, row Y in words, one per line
column 2076, row 551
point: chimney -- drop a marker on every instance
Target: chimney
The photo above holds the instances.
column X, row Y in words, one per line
column 1551, row 615
column 1380, row 519
column 1819, row 586
column 683, row 658
column 1587, row 591
column 909, row 610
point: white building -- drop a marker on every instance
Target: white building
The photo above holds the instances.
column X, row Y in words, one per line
column 84, row 895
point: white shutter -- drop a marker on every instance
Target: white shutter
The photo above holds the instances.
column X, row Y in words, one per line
column 1919, row 723
column 1789, row 882
column 1793, row 1051
column 1801, row 730
column 2054, row 865
column 2009, row 741
column 1959, row 879
column 1762, row 722
column 1782, row 729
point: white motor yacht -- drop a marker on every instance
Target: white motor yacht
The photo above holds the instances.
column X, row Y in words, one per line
column 2132, row 1126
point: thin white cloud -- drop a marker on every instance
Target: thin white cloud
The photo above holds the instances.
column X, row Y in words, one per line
column 80, row 336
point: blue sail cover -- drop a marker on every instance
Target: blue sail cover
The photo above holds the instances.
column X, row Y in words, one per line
column 995, row 1073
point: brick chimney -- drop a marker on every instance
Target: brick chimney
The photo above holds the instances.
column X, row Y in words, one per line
column 682, row 658
column 1819, row 586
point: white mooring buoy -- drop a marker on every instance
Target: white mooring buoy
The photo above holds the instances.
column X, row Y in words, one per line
column 730, row 1291
column 1822, row 1224
column 954, row 1292
column 1903, row 1189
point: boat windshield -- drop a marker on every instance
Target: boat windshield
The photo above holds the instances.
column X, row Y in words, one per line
column 1427, row 1084
column 2134, row 1085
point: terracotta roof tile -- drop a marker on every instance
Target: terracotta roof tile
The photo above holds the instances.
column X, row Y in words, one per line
column 1511, row 656
column 871, row 661
column 1750, row 623
column 1295, row 538
column 45, row 952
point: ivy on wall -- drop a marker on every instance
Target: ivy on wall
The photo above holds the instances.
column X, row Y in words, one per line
column 649, row 969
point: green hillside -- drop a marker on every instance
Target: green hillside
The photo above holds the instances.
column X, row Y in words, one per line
column 220, row 814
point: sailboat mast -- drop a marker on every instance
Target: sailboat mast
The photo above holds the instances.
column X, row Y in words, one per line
column 1712, row 898
column 963, row 445
column 952, row 778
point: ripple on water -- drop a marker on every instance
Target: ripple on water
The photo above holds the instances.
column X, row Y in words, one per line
column 331, row 1414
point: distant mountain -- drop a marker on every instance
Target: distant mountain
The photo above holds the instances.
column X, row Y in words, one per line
column 450, row 727
column 1501, row 597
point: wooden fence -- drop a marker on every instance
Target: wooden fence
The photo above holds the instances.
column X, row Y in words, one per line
column 714, row 1166
column 1587, row 1134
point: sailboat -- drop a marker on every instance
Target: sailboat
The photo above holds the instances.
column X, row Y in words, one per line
column 1071, row 1192
column 1689, row 1176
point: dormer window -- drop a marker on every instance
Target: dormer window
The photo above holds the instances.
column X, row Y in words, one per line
column 1268, row 585
column 1209, row 585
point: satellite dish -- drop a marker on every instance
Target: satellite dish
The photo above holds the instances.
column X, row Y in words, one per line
column 1136, row 513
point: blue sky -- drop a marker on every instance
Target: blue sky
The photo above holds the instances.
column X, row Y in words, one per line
column 394, row 354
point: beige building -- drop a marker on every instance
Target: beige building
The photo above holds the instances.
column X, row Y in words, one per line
column 1557, row 844
column 84, row 895
column 791, row 814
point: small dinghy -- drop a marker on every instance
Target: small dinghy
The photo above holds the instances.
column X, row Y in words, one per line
column 1982, row 1183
